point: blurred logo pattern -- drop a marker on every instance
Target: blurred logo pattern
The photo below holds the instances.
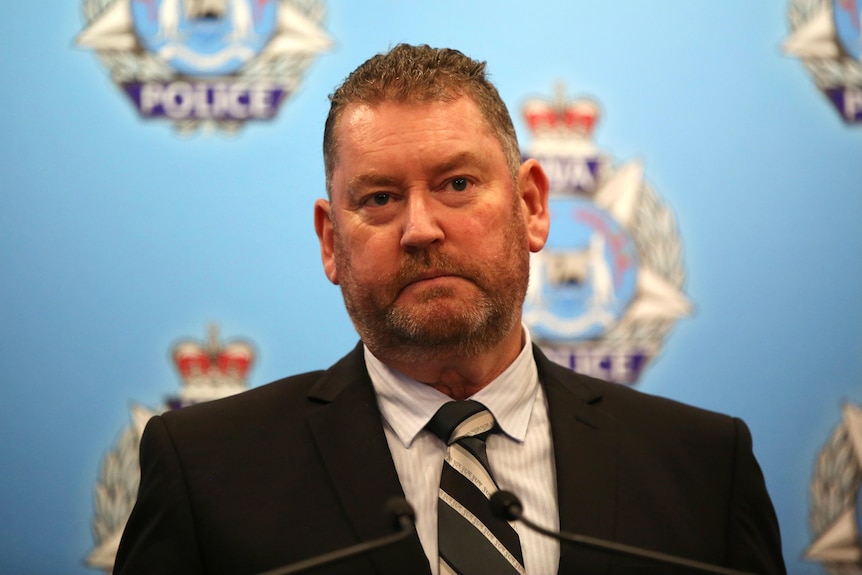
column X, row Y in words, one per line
column 607, row 288
column 836, row 507
column 209, row 370
column 826, row 35
column 206, row 64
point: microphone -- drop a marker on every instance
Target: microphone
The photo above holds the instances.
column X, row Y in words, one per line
column 507, row 506
column 403, row 519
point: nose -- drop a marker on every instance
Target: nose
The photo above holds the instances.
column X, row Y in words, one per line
column 421, row 222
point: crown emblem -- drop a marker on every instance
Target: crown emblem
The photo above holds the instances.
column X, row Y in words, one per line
column 561, row 116
column 210, row 369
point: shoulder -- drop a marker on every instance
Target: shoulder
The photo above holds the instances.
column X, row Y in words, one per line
column 285, row 401
column 626, row 407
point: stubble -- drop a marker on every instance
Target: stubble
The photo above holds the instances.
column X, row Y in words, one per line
column 439, row 324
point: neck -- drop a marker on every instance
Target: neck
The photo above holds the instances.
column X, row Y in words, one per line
column 453, row 373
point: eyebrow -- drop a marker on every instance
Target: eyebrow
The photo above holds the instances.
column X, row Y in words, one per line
column 372, row 180
column 376, row 180
column 460, row 159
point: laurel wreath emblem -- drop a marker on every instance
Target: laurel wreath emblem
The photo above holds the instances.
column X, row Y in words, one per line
column 836, row 480
column 827, row 73
column 656, row 237
column 117, row 487
column 116, row 491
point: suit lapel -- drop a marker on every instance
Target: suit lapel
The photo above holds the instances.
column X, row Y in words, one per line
column 348, row 432
column 585, row 452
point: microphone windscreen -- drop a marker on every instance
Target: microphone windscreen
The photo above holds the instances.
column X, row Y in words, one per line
column 506, row 506
column 399, row 511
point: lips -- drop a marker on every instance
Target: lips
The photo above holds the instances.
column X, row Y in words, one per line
column 428, row 266
column 425, row 280
column 427, row 276
column 430, row 275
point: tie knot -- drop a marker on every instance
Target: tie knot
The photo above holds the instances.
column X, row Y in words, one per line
column 457, row 419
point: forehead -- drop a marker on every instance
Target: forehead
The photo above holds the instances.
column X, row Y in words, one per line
column 364, row 130
column 455, row 110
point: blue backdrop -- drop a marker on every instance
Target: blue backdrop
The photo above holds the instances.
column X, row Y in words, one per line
column 118, row 237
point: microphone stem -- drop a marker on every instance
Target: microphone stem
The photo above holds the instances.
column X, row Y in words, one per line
column 631, row 550
column 335, row 556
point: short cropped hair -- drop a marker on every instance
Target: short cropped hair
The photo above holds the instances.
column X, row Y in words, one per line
column 416, row 74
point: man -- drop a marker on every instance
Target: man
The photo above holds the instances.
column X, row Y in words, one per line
column 428, row 227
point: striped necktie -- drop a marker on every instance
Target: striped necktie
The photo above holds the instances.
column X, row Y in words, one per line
column 472, row 541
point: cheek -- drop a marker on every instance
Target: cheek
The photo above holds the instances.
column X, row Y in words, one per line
column 367, row 255
column 485, row 230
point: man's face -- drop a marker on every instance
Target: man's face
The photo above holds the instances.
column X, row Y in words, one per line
column 426, row 232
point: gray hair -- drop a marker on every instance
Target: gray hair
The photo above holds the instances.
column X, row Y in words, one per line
column 421, row 74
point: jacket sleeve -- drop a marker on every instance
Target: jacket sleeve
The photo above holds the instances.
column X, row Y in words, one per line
column 160, row 534
column 754, row 540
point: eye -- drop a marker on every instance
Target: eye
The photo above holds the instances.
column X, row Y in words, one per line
column 379, row 199
column 459, row 184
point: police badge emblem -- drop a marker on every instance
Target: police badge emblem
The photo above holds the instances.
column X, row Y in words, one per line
column 827, row 37
column 835, row 516
column 209, row 370
column 212, row 64
column 607, row 288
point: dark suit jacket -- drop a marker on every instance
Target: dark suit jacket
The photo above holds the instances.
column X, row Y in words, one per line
column 301, row 466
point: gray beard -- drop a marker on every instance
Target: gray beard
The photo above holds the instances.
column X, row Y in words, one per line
column 460, row 329
column 400, row 335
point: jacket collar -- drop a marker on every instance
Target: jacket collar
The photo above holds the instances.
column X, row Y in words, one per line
column 348, row 433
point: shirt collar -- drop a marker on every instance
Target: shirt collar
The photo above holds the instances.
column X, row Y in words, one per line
column 407, row 405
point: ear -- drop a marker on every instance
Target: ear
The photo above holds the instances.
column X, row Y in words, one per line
column 533, row 185
column 326, row 235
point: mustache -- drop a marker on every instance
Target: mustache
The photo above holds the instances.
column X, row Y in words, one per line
column 417, row 265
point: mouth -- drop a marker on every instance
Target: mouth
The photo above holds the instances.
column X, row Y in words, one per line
column 432, row 274
column 430, row 278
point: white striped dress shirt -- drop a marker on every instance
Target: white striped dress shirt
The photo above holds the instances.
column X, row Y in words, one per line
column 521, row 458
